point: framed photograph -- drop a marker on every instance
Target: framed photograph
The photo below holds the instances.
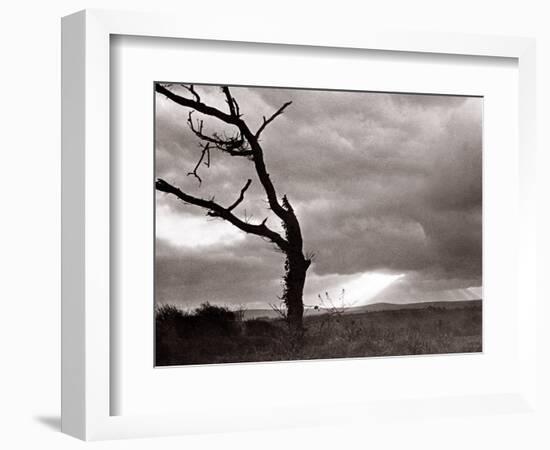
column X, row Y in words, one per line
column 266, row 229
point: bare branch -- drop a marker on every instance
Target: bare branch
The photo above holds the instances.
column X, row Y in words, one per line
column 205, row 151
column 216, row 210
column 191, row 89
column 197, row 105
column 272, row 118
column 235, row 145
column 241, row 196
column 231, row 102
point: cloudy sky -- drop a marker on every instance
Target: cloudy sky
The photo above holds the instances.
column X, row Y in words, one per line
column 387, row 187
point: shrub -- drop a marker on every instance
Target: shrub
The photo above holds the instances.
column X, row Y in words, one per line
column 167, row 313
column 214, row 313
column 167, row 322
column 206, row 320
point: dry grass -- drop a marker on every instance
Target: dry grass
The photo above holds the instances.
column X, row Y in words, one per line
column 217, row 335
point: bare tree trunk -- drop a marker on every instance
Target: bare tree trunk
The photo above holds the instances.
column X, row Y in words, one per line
column 295, row 278
column 296, row 265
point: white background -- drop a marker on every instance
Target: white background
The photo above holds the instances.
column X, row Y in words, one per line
column 29, row 320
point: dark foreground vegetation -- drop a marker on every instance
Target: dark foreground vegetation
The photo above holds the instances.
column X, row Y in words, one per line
column 213, row 334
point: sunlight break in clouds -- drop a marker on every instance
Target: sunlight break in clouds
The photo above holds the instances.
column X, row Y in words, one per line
column 359, row 289
column 194, row 231
column 367, row 285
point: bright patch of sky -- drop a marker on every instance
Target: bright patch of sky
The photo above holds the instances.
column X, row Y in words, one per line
column 194, row 231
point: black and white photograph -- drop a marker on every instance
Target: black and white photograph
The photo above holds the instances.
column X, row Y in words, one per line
column 264, row 226
column 304, row 224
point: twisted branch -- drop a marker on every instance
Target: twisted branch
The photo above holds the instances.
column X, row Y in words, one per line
column 241, row 196
column 205, row 151
column 235, row 146
column 216, row 210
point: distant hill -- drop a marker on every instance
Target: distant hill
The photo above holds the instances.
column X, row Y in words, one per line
column 419, row 305
column 270, row 314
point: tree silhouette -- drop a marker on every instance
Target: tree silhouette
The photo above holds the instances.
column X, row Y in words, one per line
column 245, row 143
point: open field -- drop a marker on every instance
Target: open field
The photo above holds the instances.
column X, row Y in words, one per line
column 216, row 335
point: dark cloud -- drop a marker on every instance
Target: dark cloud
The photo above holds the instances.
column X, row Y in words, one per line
column 241, row 274
column 380, row 182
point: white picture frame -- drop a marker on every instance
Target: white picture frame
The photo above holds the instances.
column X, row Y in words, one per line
column 86, row 284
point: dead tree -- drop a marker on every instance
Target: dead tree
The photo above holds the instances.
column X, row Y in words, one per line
column 245, row 143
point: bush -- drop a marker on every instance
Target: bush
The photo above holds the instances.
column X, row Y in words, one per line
column 168, row 313
column 214, row 313
column 206, row 320
column 167, row 321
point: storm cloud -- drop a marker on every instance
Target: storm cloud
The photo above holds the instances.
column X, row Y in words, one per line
column 383, row 184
